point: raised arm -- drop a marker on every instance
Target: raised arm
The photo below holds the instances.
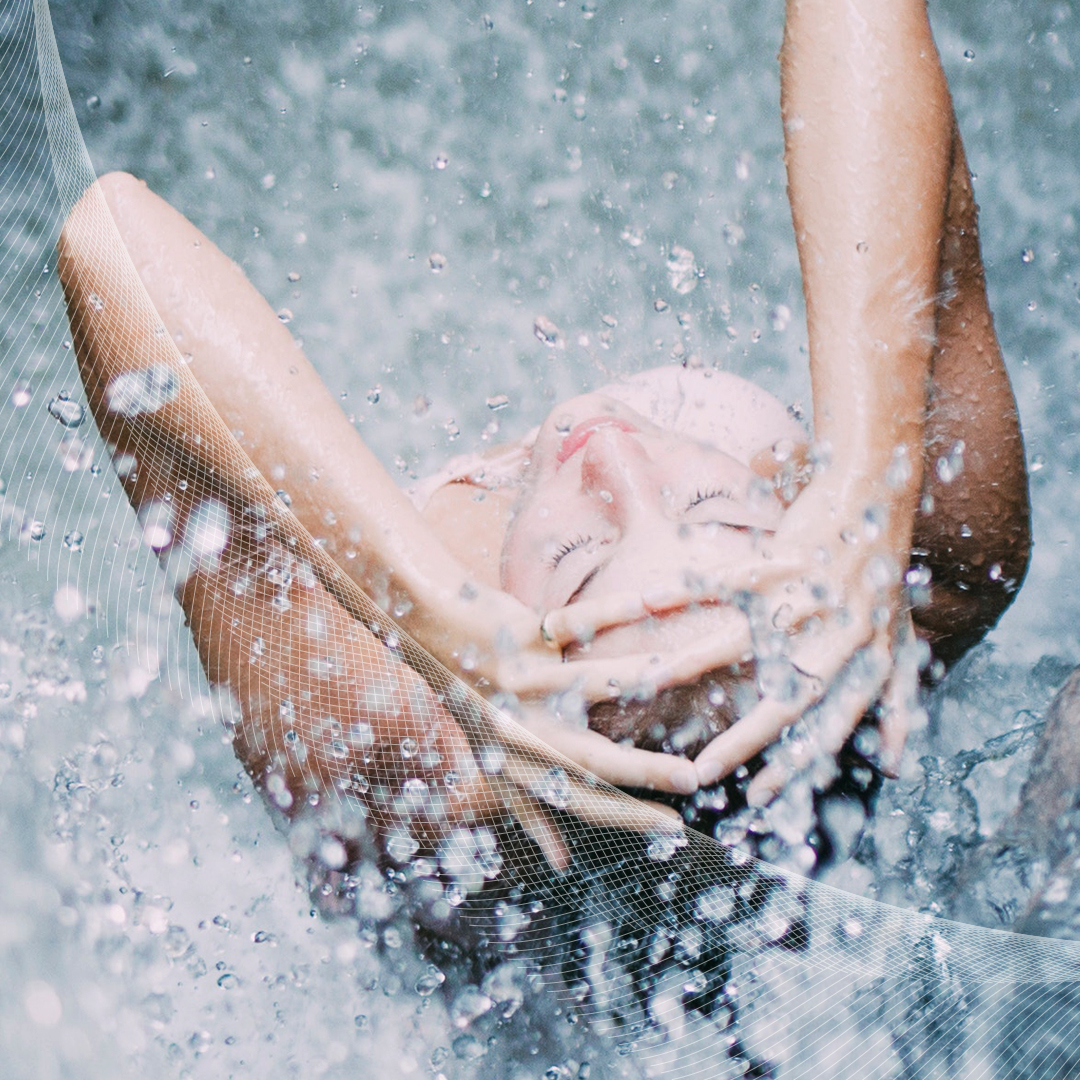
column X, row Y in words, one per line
column 868, row 132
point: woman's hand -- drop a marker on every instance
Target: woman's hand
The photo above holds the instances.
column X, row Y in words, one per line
column 822, row 605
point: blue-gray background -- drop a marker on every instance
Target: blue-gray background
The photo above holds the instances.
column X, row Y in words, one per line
column 548, row 156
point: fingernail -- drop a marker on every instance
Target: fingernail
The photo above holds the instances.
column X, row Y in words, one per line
column 661, row 598
column 685, row 779
column 709, row 774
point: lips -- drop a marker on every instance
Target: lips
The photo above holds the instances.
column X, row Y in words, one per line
column 581, row 433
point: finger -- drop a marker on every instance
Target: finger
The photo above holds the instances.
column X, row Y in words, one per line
column 768, row 783
column 749, row 735
column 567, row 788
column 763, row 724
column 899, row 705
column 623, row 766
column 582, row 621
column 538, row 823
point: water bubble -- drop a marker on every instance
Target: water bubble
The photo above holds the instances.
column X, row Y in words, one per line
column 554, row 789
column 663, row 844
column 75, row 455
column 73, row 540
column 401, row 847
column 779, row 317
column 951, row 465
column 68, row 603
column 157, row 522
column 468, row 1048
column 133, row 393
column 428, row 983
column 682, row 271
column 70, row 413
column 548, row 333
column 206, row 531
column 437, row 262
column 471, row 1003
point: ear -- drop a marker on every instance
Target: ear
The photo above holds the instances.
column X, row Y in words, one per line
column 787, row 477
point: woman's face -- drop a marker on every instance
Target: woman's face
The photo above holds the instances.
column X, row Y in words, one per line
column 614, row 503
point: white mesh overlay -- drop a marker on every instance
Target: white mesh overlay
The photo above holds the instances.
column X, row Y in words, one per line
column 344, row 719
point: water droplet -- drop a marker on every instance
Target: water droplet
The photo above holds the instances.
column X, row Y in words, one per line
column 228, row 981
column 21, row 394
column 661, row 306
column 682, row 271
column 93, row 102
column 1038, row 463
column 437, row 262
column 73, row 540
column 409, row 747
column 136, row 392
column 293, row 276
column 401, row 847
column 285, row 316
column 70, row 413
column 663, row 845
column 548, row 333
column 951, row 465
column 36, row 530
column 374, row 394
column 779, row 317
column 969, row 55
column 1027, row 255
column 499, row 401
column 206, row 531
column 554, row 788
column 157, row 522
column 440, row 162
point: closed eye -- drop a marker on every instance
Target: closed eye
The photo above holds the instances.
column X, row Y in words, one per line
column 566, row 547
column 705, row 494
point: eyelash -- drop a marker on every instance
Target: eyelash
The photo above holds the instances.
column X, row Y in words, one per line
column 704, row 494
column 566, row 548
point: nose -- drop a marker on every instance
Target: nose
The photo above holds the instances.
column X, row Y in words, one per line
column 616, row 469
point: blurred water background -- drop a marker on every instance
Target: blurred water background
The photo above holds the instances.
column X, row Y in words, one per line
column 413, row 184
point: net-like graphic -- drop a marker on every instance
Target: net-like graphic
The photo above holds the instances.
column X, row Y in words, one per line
column 345, row 722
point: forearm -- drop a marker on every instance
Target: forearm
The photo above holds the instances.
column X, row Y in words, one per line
column 259, row 383
column 973, row 530
column 867, row 129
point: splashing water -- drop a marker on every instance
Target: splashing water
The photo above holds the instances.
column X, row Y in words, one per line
column 156, row 919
